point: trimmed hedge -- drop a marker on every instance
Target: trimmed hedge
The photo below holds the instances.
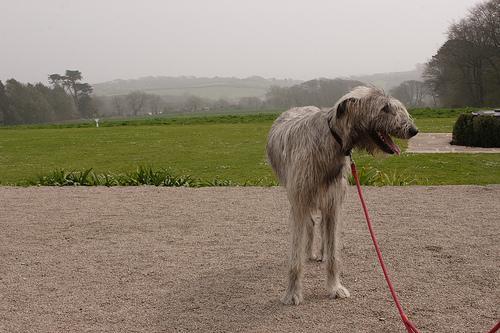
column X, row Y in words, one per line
column 476, row 131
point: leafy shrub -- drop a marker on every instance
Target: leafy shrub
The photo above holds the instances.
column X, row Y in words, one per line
column 477, row 131
column 463, row 131
column 487, row 130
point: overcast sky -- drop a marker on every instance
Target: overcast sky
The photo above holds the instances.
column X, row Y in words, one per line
column 110, row 39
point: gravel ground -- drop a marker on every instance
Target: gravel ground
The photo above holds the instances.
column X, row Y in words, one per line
column 148, row 259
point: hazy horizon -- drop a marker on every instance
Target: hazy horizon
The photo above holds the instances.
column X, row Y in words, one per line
column 278, row 39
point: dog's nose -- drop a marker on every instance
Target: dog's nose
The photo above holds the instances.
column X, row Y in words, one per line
column 413, row 131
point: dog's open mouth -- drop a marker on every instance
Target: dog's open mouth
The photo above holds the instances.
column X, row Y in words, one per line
column 384, row 141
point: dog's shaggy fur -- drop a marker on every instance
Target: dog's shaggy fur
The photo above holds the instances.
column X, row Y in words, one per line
column 308, row 149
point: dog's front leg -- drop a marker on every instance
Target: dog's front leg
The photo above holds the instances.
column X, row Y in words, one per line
column 293, row 294
column 333, row 243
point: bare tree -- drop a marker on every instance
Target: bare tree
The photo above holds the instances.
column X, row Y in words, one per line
column 250, row 103
column 155, row 104
column 136, row 101
column 411, row 93
column 193, row 104
column 118, row 106
column 221, row 104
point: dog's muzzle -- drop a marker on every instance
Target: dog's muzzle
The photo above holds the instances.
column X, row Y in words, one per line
column 412, row 131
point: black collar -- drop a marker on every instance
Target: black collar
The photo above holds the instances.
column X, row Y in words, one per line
column 338, row 138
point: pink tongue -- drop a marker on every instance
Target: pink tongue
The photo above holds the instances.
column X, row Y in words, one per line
column 394, row 147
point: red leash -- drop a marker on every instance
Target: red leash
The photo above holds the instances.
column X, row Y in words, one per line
column 410, row 327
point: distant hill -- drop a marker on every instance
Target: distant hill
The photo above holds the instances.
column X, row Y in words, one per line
column 318, row 92
column 213, row 88
column 387, row 81
column 231, row 88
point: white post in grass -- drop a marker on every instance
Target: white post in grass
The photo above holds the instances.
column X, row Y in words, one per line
column 96, row 122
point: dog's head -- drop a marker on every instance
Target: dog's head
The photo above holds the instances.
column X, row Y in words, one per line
column 366, row 118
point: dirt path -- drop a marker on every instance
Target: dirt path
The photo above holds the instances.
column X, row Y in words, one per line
column 150, row 259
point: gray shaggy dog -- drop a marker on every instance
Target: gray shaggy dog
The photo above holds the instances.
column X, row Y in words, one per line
column 309, row 151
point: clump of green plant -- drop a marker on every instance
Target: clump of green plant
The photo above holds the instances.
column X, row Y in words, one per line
column 366, row 176
column 141, row 176
column 61, row 177
column 265, row 181
column 106, row 179
column 165, row 177
column 161, row 177
column 395, row 179
column 218, row 182
column 373, row 177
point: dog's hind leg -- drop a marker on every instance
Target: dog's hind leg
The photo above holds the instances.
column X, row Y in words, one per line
column 319, row 248
column 314, row 238
column 298, row 220
column 332, row 234
column 310, row 238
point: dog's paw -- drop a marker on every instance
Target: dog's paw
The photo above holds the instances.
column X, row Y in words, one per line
column 339, row 292
column 316, row 257
column 292, row 298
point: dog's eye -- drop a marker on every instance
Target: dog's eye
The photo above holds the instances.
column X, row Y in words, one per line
column 386, row 109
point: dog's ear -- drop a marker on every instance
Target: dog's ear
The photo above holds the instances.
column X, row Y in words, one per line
column 341, row 125
column 386, row 108
column 343, row 106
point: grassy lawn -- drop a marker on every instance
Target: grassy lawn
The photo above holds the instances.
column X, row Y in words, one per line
column 435, row 125
column 225, row 147
column 233, row 151
column 440, row 169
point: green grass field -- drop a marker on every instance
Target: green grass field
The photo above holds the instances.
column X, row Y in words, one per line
column 224, row 147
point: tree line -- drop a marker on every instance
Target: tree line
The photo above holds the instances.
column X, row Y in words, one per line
column 137, row 103
column 466, row 69
column 65, row 98
column 464, row 72
column 319, row 92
